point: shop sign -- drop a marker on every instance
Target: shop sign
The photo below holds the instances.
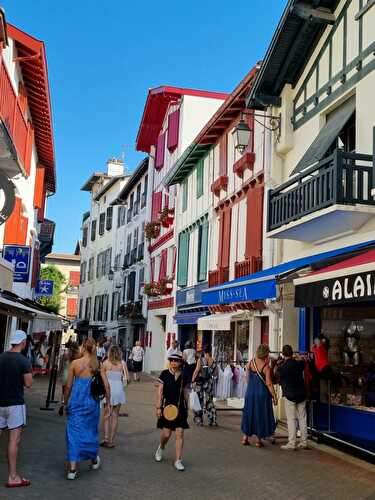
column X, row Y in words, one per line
column 235, row 294
column 44, row 288
column 342, row 290
column 19, row 256
column 7, row 188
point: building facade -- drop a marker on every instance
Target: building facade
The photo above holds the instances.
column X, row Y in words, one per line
column 172, row 117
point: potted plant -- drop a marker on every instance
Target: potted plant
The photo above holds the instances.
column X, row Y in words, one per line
column 165, row 216
column 152, row 230
column 165, row 286
column 151, row 289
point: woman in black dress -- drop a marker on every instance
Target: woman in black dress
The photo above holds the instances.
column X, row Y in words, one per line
column 172, row 390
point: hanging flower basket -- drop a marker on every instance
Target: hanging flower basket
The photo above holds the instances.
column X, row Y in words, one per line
column 151, row 289
column 152, row 230
column 165, row 286
column 166, row 217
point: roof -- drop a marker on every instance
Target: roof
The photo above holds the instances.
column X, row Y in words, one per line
column 63, row 256
column 288, row 53
column 213, row 130
column 31, row 56
column 137, row 175
column 108, row 185
column 92, row 179
column 157, row 102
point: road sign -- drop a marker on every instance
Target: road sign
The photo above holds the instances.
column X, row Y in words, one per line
column 44, row 288
column 19, row 256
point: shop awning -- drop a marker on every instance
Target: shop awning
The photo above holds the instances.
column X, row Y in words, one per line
column 220, row 321
column 349, row 281
column 262, row 285
column 190, row 318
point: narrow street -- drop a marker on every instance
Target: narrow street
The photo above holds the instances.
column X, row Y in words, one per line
column 216, row 465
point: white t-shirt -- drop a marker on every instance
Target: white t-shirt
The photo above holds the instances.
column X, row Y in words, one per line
column 137, row 353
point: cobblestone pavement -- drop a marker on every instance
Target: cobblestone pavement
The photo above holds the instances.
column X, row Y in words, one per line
column 217, row 467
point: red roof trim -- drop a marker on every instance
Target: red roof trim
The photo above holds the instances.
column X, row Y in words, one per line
column 35, row 76
column 157, row 103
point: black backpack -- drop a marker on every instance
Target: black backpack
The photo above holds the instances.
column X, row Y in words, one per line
column 97, row 386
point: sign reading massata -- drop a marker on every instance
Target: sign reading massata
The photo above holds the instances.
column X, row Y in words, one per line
column 335, row 291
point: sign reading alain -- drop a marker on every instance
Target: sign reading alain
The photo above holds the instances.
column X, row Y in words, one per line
column 336, row 291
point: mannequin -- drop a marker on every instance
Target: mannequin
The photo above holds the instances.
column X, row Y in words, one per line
column 320, row 349
column 352, row 348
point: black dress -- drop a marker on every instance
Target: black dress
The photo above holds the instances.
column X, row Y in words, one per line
column 171, row 396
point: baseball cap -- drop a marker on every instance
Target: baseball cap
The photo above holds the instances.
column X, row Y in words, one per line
column 17, row 337
column 176, row 356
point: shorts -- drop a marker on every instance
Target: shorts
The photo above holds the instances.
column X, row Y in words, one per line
column 12, row 417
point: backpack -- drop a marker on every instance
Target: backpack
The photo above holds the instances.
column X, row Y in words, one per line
column 97, row 387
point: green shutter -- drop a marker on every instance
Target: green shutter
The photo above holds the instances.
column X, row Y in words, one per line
column 199, row 171
column 184, row 195
column 202, row 251
column 183, row 259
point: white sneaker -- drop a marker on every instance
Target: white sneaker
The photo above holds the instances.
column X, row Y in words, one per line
column 159, row 454
column 288, row 447
column 96, row 465
column 71, row 475
column 178, row 465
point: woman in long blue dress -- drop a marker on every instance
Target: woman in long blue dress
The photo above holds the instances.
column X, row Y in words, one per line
column 83, row 411
column 257, row 416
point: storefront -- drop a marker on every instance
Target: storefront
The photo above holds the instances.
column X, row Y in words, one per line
column 338, row 303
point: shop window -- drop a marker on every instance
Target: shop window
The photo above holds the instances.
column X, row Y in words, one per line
column 242, row 342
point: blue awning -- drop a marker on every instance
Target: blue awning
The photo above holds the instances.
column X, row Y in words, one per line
column 188, row 318
column 262, row 285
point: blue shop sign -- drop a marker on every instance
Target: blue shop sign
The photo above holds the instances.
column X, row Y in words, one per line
column 44, row 288
column 19, row 256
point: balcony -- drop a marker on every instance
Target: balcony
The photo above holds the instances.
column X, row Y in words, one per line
column 248, row 266
column 133, row 256
column 141, row 251
column 15, row 132
column 246, row 161
column 330, row 199
column 220, row 183
column 219, row 276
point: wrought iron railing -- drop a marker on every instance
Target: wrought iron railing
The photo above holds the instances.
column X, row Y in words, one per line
column 342, row 178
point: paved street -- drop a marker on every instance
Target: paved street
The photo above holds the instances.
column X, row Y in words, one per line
column 217, row 467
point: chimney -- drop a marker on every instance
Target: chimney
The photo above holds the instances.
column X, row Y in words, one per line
column 115, row 167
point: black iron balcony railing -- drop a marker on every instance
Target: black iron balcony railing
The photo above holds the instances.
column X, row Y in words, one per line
column 342, row 178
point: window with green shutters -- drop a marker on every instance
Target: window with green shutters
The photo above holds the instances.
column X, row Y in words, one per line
column 184, row 195
column 183, row 259
column 199, row 172
column 202, row 251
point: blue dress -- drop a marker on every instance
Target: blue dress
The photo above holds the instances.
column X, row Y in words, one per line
column 257, row 416
column 82, row 429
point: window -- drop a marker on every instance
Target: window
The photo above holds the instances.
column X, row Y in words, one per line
column 88, row 308
column 108, row 261
column 74, row 278
column 137, row 200
column 131, row 287
column 160, row 149
column 129, row 243
column 124, row 289
column 83, row 272
column 115, row 305
column 101, row 223
column 185, row 195
column 135, row 242
column 91, row 269
column 93, row 230
column 119, row 216
column 199, row 173
column 84, row 236
column 80, row 309
column 144, row 194
column 202, row 251
column 108, row 225
column 105, row 308
column 157, row 199
column 141, row 281
column 183, row 259
column 143, row 232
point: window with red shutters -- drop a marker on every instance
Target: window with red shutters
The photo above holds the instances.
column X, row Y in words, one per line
column 254, row 223
column 223, row 155
column 74, row 278
column 71, row 307
column 173, row 130
column 163, row 264
column 156, row 205
column 224, row 237
column 160, row 149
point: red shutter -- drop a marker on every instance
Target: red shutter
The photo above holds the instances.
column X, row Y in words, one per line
column 16, row 226
column 39, row 187
column 163, row 264
column 152, row 266
column 223, row 155
column 156, row 205
column 224, row 237
column 74, row 278
column 160, row 148
column 173, row 129
column 166, row 200
column 71, row 307
column 254, row 223
column 174, row 261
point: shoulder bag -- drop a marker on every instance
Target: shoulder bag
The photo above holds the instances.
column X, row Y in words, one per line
column 170, row 412
column 97, row 387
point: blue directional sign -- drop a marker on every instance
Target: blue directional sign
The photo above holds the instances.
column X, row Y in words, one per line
column 44, row 288
column 19, row 256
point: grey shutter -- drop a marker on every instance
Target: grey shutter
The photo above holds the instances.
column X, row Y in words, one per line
column 183, row 259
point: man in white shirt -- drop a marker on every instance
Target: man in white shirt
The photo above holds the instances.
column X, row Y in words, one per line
column 174, row 349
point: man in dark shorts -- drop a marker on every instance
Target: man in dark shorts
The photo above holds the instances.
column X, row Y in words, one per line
column 15, row 374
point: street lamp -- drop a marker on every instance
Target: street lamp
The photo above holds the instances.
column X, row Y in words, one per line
column 241, row 136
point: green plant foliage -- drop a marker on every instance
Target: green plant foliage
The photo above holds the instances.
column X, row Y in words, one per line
column 53, row 303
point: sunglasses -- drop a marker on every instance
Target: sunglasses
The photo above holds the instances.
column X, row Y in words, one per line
column 175, row 360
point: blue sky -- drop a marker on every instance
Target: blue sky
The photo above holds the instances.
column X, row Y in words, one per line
column 104, row 56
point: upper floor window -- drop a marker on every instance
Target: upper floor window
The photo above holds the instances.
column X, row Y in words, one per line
column 185, row 187
column 135, row 242
column 101, row 223
column 144, row 194
column 199, row 173
column 93, row 230
column 109, row 218
column 84, row 236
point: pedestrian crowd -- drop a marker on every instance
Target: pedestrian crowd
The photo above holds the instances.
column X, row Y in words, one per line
column 94, row 378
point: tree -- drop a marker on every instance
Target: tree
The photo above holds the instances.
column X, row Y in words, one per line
column 51, row 272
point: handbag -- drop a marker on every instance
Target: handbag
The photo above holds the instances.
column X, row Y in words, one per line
column 97, row 387
column 170, row 412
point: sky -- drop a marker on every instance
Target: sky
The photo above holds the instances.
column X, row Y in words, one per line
column 104, row 56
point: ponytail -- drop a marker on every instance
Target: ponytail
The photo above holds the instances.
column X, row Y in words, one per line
column 90, row 347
